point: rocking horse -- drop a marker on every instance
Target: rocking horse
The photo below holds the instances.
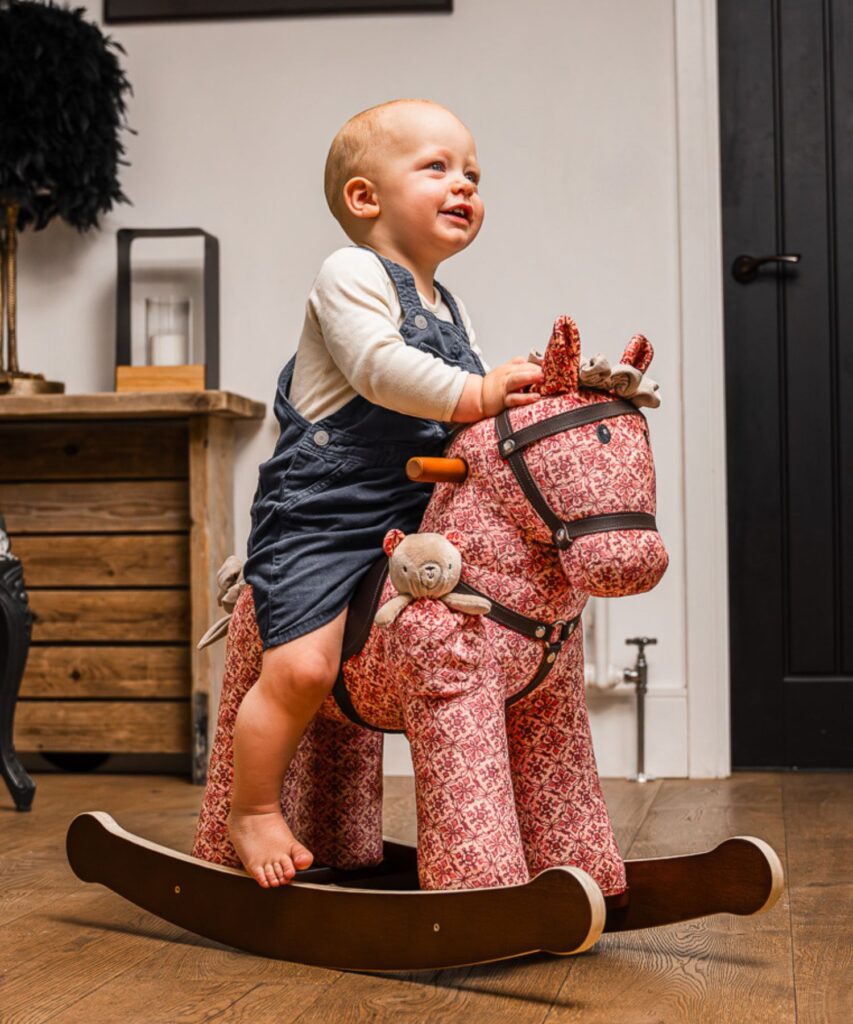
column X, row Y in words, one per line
column 549, row 503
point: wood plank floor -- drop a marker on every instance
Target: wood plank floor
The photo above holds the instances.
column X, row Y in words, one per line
column 73, row 953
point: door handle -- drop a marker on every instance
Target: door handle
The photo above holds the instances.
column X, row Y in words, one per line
column 745, row 268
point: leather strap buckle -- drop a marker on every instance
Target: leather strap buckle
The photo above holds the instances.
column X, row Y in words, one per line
column 561, row 630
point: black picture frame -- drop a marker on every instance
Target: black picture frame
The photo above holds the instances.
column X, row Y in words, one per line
column 117, row 11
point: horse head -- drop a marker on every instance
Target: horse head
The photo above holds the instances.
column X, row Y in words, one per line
column 575, row 471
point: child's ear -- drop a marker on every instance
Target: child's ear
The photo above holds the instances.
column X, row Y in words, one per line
column 455, row 537
column 392, row 541
column 638, row 353
column 360, row 198
column 562, row 358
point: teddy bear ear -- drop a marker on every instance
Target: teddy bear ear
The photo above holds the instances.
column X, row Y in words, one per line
column 392, row 541
column 562, row 358
column 455, row 538
column 638, row 352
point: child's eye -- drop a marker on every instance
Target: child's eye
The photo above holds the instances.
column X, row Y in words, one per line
column 436, row 165
column 472, row 176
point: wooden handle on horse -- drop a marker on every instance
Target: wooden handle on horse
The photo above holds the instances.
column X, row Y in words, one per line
column 429, row 470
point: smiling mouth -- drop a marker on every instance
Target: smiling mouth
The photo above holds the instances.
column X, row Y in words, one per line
column 459, row 213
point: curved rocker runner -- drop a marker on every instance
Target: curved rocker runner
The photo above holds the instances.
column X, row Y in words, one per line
column 379, row 921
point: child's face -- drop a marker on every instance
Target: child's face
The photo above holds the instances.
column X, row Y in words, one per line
column 426, row 184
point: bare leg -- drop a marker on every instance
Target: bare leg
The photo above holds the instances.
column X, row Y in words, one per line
column 332, row 795
column 295, row 679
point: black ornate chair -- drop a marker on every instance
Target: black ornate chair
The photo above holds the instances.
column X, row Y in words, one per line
column 16, row 624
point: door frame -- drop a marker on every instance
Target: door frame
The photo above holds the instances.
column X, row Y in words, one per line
column 702, row 388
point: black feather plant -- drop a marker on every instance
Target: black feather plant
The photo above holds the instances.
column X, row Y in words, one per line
column 61, row 113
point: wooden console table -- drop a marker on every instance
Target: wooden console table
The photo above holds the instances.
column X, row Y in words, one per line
column 119, row 507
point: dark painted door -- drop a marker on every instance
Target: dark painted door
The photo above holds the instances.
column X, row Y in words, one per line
column 786, row 107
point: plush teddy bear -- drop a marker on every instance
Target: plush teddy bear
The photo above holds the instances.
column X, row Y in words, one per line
column 426, row 565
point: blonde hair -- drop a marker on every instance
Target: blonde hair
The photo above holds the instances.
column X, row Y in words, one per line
column 353, row 151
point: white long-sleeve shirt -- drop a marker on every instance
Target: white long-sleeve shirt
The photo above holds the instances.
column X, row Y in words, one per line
column 351, row 344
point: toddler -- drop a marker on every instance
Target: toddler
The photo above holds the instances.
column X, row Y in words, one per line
column 386, row 359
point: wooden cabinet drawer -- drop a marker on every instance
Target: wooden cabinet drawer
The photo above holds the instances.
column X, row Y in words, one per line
column 127, row 727
column 104, row 560
column 87, row 449
column 107, row 672
column 156, row 616
column 121, row 506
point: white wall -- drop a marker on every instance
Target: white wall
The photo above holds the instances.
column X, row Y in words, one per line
column 573, row 106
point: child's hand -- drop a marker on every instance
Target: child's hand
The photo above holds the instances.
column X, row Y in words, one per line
column 502, row 386
column 499, row 389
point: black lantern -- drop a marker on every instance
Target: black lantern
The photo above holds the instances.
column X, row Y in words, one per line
column 169, row 364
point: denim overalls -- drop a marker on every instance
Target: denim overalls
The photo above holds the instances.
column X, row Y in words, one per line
column 333, row 489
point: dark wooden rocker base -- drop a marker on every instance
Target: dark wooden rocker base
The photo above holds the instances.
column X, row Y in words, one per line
column 328, row 925
column 743, row 875
column 376, row 919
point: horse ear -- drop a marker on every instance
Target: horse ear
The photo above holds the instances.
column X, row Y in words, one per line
column 638, row 352
column 392, row 541
column 562, row 358
column 455, row 537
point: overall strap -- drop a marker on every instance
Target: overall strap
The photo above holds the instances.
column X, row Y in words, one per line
column 450, row 302
column 402, row 280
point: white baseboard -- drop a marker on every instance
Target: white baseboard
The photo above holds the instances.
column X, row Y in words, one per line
column 398, row 760
column 613, row 719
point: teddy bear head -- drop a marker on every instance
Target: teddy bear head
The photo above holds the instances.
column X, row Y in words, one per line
column 423, row 564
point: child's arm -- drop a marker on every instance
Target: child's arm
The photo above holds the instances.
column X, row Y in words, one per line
column 351, row 309
column 499, row 389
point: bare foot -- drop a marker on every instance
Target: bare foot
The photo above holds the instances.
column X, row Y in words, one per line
column 266, row 847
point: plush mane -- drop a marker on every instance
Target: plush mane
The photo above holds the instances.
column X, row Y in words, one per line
column 565, row 374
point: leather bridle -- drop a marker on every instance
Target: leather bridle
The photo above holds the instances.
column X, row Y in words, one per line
column 511, row 446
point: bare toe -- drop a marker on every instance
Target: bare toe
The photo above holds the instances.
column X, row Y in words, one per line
column 302, row 857
column 266, row 846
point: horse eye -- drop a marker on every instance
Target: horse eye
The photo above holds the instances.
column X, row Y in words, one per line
column 603, row 434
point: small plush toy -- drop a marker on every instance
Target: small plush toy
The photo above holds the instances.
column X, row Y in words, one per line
column 426, row 565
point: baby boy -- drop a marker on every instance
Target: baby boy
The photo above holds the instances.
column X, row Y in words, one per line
column 386, row 361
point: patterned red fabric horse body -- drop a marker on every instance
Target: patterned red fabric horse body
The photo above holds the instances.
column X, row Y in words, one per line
column 503, row 792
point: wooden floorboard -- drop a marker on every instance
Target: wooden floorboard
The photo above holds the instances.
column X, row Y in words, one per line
column 819, row 826
column 710, row 970
column 72, row 952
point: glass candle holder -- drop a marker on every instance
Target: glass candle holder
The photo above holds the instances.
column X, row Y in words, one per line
column 167, row 331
